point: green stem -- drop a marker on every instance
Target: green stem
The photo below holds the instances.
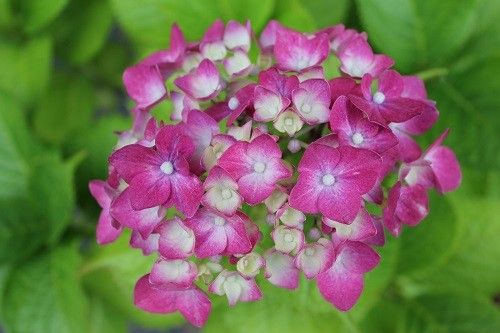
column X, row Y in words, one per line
column 432, row 73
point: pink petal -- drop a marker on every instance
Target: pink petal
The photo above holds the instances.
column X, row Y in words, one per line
column 446, row 169
column 267, row 38
column 181, row 273
column 144, row 85
column 268, row 105
column 280, row 270
column 312, row 101
column 295, row 51
column 186, row 193
column 237, row 36
column 148, row 245
column 144, row 221
column 240, row 101
column 361, row 229
column 343, row 86
column 149, row 190
column 340, row 288
column 194, row 305
column 201, row 128
column 238, row 64
column 132, row 160
column 176, row 239
column 203, row 83
column 313, row 259
column 172, row 140
column 154, row 299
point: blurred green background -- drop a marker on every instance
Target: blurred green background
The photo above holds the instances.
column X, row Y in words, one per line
column 61, row 98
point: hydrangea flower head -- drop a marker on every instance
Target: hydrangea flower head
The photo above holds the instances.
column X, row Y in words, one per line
column 271, row 142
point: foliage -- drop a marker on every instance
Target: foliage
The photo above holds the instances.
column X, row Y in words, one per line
column 61, row 98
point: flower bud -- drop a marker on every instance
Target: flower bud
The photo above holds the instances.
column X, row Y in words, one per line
column 294, row 145
column 287, row 240
column 250, row 264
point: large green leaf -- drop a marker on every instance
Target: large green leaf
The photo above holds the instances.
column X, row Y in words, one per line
column 43, row 295
column 111, row 273
column 25, row 68
column 13, row 150
column 148, row 22
column 418, row 34
column 105, row 319
column 79, row 45
column 67, row 109
column 433, row 241
column 37, row 14
column 457, row 313
column 294, row 14
column 52, row 193
column 327, row 12
column 473, row 267
column 280, row 310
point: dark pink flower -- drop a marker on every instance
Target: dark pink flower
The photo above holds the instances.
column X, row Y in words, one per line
column 108, row 230
column 354, row 129
column 202, row 83
column 295, row 51
column 218, row 234
column 386, row 105
column 176, row 239
column 144, row 85
column 357, row 59
column 342, row 283
column 332, row 181
column 159, row 176
column 438, row 167
column 256, row 166
column 178, row 272
column 191, row 302
column 281, row 270
column 405, row 205
column 312, row 101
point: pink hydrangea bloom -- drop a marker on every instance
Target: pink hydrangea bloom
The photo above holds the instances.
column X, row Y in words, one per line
column 303, row 153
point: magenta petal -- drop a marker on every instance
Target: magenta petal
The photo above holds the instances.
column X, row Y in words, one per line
column 149, row 190
column 176, row 239
column 295, row 51
column 144, row 85
column 187, row 192
column 203, row 83
column 106, row 232
column 172, row 140
column 413, row 204
column 144, row 221
column 148, row 245
column 340, row 288
column 154, row 299
column 304, row 195
column 134, row 159
column 194, row 305
column 445, row 167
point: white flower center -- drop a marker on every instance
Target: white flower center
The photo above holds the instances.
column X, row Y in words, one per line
column 219, row 221
column 226, row 194
column 328, row 180
column 259, row 167
column 306, row 108
column 167, row 168
column 288, row 121
column 231, row 279
column 288, row 237
column 233, row 103
column 357, row 138
column 378, row 97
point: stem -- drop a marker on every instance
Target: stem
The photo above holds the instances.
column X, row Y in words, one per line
column 432, row 73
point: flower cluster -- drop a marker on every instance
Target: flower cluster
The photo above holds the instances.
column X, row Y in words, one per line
column 331, row 160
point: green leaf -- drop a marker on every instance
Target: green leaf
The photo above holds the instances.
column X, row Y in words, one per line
column 80, row 45
column 52, row 180
column 13, row 147
column 105, row 319
column 4, row 276
column 293, row 14
column 6, row 16
column 44, row 295
column 279, row 311
column 418, row 34
column 25, row 68
column 452, row 313
column 37, row 14
column 148, row 23
column 66, row 110
column 111, row 273
column 327, row 12
column 97, row 143
column 433, row 241
column 474, row 264
column 468, row 101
